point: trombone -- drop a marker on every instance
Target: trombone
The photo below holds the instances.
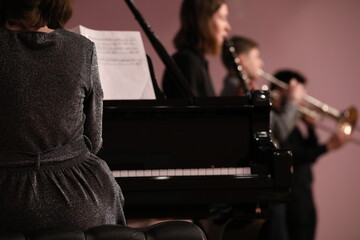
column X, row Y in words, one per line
column 346, row 120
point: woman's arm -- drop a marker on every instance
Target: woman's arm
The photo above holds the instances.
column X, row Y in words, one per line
column 93, row 107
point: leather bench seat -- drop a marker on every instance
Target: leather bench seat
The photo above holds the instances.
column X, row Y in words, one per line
column 172, row 230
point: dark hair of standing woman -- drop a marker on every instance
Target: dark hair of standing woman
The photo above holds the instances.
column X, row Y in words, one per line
column 196, row 31
column 34, row 14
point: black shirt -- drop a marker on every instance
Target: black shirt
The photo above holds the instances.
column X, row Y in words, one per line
column 195, row 69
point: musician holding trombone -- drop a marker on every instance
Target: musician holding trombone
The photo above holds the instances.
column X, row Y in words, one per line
column 306, row 149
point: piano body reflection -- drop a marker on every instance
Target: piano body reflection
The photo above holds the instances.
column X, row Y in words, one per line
column 179, row 160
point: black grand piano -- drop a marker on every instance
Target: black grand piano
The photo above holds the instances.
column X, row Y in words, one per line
column 178, row 160
column 183, row 158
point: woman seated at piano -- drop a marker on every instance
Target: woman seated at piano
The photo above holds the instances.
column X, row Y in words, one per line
column 50, row 123
column 204, row 26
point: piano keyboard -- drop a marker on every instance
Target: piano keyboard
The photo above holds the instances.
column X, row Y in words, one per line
column 238, row 171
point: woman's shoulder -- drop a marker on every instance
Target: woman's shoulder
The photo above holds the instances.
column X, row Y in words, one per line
column 75, row 37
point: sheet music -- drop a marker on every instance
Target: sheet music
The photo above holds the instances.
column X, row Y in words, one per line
column 123, row 67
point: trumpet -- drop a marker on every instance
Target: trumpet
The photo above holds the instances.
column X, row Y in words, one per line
column 346, row 120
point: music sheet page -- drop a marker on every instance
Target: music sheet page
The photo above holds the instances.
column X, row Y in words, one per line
column 123, row 67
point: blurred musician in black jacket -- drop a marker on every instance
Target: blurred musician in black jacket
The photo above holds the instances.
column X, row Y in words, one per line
column 301, row 138
column 204, row 26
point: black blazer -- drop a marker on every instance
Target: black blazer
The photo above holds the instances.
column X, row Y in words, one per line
column 195, row 69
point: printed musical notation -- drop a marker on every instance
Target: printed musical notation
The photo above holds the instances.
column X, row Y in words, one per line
column 123, row 66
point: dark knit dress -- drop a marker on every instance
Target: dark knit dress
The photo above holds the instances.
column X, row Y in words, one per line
column 50, row 131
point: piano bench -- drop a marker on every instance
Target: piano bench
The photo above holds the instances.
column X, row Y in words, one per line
column 172, row 230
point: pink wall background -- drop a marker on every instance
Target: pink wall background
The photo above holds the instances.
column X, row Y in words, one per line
column 320, row 38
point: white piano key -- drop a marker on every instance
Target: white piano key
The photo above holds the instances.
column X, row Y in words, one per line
column 239, row 171
column 147, row 173
column 140, row 173
column 116, row 174
column 178, row 172
column 209, row 171
column 155, row 172
column 217, row 171
column 201, row 171
column 232, row 171
column 247, row 171
column 171, row 172
column 194, row 172
column 163, row 172
column 132, row 173
column 186, row 172
column 124, row 173
column 224, row 171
